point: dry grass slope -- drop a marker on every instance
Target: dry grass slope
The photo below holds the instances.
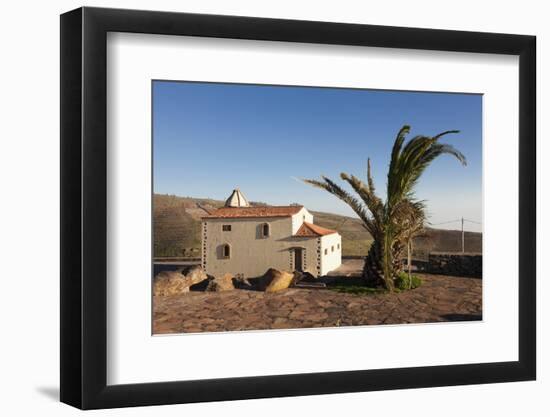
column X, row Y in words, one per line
column 176, row 223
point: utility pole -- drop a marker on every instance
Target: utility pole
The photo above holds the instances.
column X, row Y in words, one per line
column 462, row 221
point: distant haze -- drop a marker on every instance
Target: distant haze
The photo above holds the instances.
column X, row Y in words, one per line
column 210, row 138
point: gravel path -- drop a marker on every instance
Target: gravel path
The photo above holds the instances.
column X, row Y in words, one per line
column 440, row 298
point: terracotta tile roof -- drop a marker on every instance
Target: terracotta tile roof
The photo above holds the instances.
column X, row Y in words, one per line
column 251, row 212
column 312, row 230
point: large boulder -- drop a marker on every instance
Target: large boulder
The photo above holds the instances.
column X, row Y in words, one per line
column 195, row 274
column 223, row 283
column 177, row 282
column 242, row 283
column 274, row 280
column 170, row 283
column 303, row 277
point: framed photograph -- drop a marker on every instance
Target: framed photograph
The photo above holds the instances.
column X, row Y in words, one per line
column 259, row 208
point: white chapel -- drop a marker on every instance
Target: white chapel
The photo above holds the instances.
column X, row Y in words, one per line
column 240, row 238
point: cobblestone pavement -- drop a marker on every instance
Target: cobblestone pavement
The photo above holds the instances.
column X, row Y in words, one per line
column 440, row 298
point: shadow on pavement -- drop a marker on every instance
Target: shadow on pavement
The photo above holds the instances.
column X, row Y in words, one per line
column 462, row 317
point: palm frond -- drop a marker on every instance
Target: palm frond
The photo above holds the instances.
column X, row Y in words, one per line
column 412, row 161
column 438, row 149
column 446, row 132
column 372, row 202
column 328, row 185
column 370, row 181
column 396, row 150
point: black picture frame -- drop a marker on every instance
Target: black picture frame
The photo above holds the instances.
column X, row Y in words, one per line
column 84, row 207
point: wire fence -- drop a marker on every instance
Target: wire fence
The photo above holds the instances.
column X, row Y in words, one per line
column 452, row 241
column 461, row 220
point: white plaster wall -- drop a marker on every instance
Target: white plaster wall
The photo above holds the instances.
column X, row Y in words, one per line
column 333, row 259
column 299, row 218
column 252, row 254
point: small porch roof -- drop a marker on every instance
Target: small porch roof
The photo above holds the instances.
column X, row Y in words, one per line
column 312, row 230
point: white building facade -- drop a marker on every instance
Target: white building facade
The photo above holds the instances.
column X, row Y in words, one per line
column 247, row 240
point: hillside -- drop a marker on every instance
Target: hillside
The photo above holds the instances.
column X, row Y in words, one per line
column 176, row 225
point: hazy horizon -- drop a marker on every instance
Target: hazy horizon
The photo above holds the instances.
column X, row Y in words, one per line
column 211, row 138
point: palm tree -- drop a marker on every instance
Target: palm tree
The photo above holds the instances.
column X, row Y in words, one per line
column 385, row 220
column 413, row 217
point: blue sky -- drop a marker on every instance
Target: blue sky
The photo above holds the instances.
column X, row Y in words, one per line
column 210, row 138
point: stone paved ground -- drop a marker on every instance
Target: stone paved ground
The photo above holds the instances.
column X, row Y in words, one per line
column 440, row 298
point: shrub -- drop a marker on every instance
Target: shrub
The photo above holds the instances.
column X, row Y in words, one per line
column 402, row 281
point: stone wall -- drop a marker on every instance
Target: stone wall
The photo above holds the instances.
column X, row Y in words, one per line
column 458, row 264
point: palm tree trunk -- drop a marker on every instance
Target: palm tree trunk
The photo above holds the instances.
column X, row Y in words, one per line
column 376, row 263
column 397, row 259
column 373, row 271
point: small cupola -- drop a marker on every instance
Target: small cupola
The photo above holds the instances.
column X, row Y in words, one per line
column 236, row 199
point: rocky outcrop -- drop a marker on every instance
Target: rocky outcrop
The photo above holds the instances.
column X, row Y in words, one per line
column 223, row 283
column 303, row 277
column 306, row 280
column 274, row 280
column 195, row 273
column 242, row 283
column 177, row 282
